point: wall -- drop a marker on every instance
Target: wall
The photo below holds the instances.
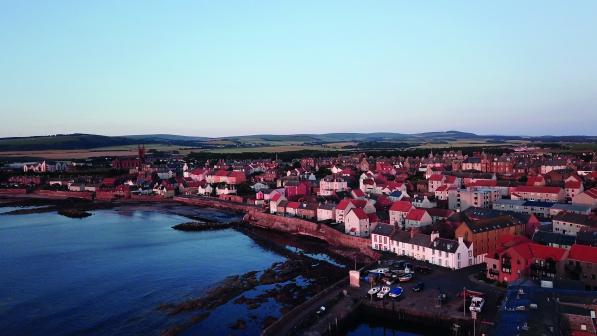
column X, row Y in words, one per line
column 295, row 225
column 255, row 216
column 65, row 194
column 147, row 198
column 13, row 191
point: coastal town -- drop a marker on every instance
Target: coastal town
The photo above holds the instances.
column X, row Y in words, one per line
column 511, row 232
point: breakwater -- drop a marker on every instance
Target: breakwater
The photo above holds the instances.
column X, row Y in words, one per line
column 256, row 216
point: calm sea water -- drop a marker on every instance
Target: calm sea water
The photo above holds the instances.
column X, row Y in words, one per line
column 107, row 274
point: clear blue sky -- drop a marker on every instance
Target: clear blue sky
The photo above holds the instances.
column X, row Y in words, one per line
column 215, row 68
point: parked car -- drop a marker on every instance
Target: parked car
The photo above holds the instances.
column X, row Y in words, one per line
column 419, row 287
column 374, row 290
column 405, row 277
column 383, row 292
column 395, row 292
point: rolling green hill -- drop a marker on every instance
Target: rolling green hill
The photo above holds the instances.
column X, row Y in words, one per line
column 89, row 141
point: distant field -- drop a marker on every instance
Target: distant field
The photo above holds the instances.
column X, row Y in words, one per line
column 583, row 146
column 131, row 150
column 468, row 143
column 68, row 154
column 269, row 149
column 341, row 144
column 65, row 154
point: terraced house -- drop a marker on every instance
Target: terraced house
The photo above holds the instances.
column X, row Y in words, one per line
column 570, row 223
column 450, row 253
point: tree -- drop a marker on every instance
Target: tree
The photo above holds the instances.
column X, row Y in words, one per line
column 244, row 189
column 322, row 172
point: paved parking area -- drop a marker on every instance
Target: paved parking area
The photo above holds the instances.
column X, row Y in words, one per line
column 443, row 280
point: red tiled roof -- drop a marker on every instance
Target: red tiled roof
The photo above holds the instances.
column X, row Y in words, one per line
column 402, row 206
column 531, row 180
column 592, row 193
column 483, row 183
column 572, row 185
column 450, row 179
column 358, row 192
column 532, row 250
column 237, row 174
column 437, row 212
column 221, row 172
column 540, row 190
column 293, row 205
column 416, row 214
column 584, row 253
column 360, row 213
column 343, row 204
column 358, row 203
column 443, row 187
column 395, row 185
column 544, row 252
column 508, row 240
column 436, row 177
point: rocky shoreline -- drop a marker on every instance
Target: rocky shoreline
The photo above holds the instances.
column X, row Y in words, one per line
column 204, row 226
column 76, row 208
column 281, row 276
column 74, row 213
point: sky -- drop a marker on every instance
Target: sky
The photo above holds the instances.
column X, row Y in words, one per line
column 218, row 68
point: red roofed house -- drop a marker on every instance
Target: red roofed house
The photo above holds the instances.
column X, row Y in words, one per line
column 219, row 176
column 236, row 177
column 275, row 199
column 342, row 209
column 588, row 197
column 573, row 188
column 356, row 223
column 292, row 208
column 452, row 181
column 442, row 192
column 297, row 188
column 417, row 218
column 526, row 260
column 346, row 204
column 434, row 181
column 332, row 184
column 535, row 181
column 398, row 212
column 480, row 183
column 197, row 174
column 542, row 194
column 582, row 265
